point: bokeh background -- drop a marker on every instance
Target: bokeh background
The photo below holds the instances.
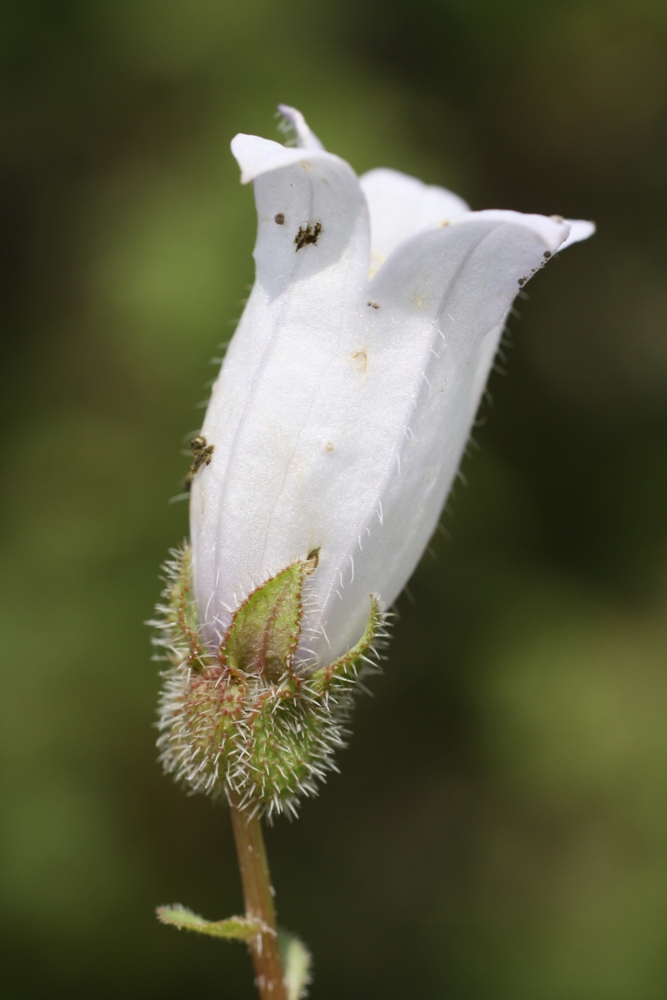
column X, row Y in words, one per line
column 500, row 827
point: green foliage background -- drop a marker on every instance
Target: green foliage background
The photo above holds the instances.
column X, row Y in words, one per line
column 500, row 827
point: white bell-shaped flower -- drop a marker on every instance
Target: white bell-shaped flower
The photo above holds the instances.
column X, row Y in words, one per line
column 348, row 391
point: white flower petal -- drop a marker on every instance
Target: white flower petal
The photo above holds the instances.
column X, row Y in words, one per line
column 439, row 308
column 343, row 406
column 311, row 258
column 401, row 206
column 580, row 229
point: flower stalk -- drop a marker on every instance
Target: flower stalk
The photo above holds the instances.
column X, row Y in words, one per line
column 259, row 906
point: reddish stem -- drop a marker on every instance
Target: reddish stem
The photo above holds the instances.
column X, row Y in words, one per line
column 258, row 894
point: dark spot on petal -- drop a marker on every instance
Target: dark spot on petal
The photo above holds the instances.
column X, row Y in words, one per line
column 361, row 359
column 374, row 305
column 312, row 560
column 280, row 219
column 547, row 254
column 522, row 281
column 306, row 235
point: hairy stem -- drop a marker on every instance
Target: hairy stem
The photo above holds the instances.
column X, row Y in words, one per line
column 258, row 894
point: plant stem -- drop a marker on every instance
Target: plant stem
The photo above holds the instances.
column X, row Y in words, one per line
column 258, row 894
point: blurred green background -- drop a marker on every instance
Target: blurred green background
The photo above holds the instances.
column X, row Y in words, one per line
column 500, row 827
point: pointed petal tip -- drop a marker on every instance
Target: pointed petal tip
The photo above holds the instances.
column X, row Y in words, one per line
column 294, row 121
column 580, row 229
column 241, row 147
column 256, row 156
column 556, row 232
column 553, row 230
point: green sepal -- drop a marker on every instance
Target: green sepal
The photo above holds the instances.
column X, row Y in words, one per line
column 244, row 718
column 346, row 668
column 297, row 963
column 234, row 928
column 178, row 626
column 265, row 630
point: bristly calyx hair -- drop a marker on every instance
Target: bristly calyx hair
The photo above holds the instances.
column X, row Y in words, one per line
column 244, row 720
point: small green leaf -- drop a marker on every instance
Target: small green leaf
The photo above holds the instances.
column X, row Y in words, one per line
column 235, row 928
column 265, row 629
column 297, row 964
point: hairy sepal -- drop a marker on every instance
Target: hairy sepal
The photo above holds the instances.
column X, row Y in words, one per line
column 244, row 719
column 265, row 629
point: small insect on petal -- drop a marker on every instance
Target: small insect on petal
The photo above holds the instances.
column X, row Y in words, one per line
column 201, row 455
column 307, row 234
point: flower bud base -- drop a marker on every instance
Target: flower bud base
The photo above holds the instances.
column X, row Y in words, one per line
column 245, row 720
